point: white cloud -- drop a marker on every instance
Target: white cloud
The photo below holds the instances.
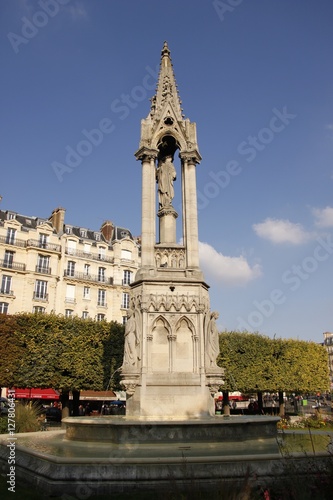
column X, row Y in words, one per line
column 324, row 216
column 228, row 270
column 282, row 231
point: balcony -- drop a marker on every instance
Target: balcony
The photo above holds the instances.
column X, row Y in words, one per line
column 102, row 304
column 126, row 282
column 88, row 277
column 45, row 246
column 15, row 266
column 40, row 296
column 88, row 255
column 12, row 241
column 42, row 270
column 70, row 300
column 4, row 291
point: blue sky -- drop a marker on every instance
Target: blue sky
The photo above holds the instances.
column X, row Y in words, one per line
column 255, row 76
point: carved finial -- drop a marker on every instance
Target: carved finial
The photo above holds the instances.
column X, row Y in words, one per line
column 165, row 50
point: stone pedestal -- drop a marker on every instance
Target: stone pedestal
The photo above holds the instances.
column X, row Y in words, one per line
column 167, row 218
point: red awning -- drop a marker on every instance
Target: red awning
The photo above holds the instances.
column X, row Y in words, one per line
column 36, row 393
column 97, row 395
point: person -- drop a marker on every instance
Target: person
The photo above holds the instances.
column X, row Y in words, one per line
column 212, row 347
column 132, row 342
column 166, row 174
column 81, row 411
column 87, row 410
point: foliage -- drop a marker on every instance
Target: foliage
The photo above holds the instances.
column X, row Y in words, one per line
column 3, row 425
column 64, row 353
column 317, row 421
column 10, row 349
column 257, row 363
column 27, row 417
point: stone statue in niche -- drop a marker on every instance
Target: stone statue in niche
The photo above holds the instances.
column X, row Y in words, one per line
column 132, row 346
column 165, row 175
column 212, row 347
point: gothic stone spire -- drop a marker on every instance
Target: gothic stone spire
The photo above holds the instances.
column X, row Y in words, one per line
column 167, row 93
column 165, row 129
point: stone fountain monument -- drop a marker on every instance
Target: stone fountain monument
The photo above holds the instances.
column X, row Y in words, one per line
column 171, row 340
column 170, row 433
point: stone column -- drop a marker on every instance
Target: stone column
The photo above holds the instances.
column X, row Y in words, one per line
column 167, row 216
column 190, row 211
column 148, row 234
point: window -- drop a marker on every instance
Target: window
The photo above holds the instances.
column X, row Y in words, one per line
column 100, row 317
column 86, row 248
column 6, row 285
column 70, row 294
column 127, row 279
column 126, row 254
column 43, row 264
column 68, row 230
column 101, row 253
column 125, row 302
column 85, row 315
column 38, row 309
column 8, row 260
column 101, row 274
column 101, row 301
column 10, row 238
column 70, row 268
column 83, row 233
column 43, row 240
column 71, row 247
column 40, row 289
column 11, row 215
column 124, row 320
column 86, row 292
column 3, row 307
column 97, row 236
column 68, row 313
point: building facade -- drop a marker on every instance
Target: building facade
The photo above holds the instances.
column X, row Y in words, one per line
column 47, row 265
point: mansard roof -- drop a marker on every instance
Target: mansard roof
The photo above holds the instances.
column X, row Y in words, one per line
column 28, row 222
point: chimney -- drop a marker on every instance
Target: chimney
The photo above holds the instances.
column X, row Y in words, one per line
column 107, row 230
column 57, row 219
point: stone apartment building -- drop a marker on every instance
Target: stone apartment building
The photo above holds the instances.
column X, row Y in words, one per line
column 47, row 265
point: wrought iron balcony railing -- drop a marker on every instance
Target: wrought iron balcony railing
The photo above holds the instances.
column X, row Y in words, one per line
column 46, row 246
column 88, row 277
column 16, row 266
column 44, row 297
column 43, row 270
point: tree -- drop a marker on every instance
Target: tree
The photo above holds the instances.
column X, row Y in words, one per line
column 68, row 354
column 256, row 363
column 10, row 349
